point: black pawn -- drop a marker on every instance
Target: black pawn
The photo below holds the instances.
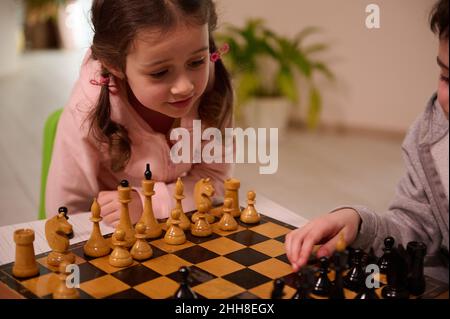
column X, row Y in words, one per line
column 396, row 276
column 278, row 289
column 416, row 280
column 148, row 172
column 337, row 289
column 355, row 276
column 305, row 282
column 124, row 183
column 184, row 292
column 322, row 284
column 385, row 261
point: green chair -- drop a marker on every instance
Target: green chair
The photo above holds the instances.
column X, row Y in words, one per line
column 47, row 148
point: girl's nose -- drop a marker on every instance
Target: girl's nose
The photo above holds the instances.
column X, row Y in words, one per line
column 183, row 86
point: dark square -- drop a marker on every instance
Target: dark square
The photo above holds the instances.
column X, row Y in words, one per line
column 79, row 251
column 16, row 286
column 283, row 258
column 245, row 295
column 42, row 271
column 281, row 238
column 247, row 257
column 200, row 240
column 88, row 272
column 247, row 237
column 196, row 276
column 291, row 280
column 157, row 252
column 135, row 275
column 196, row 254
column 128, row 294
column 247, row 278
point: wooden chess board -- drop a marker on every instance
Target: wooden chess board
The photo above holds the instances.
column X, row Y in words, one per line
column 241, row 264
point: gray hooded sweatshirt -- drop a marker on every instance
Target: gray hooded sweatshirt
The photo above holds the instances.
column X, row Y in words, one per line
column 419, row 211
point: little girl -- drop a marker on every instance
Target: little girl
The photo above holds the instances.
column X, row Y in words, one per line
column 149, row 70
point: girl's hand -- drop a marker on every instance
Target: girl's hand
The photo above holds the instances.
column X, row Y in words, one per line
column 323, row 230
column 110, row 207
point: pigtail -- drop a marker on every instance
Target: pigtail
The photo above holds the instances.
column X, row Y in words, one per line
column 105, row 130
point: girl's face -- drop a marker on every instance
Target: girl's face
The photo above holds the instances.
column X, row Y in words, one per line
column 442, row 61
column 168, row 72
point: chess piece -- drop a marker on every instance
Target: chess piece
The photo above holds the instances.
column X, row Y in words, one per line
column 249, row 215
column 175, row 235
column 201, row 228
column 25, row 262
column 304, row 283
column 416, row 279
column 62, row 291
column 322, row 284
column 231, row 186
column 185, row 223
column 184, row 291
column 153, row 228
column 141, row 250
column 57, row 230
column 203, row 191
column 96, row 246
column 120, row 256
column 227, row 222
column 354, row 279
column 124, row 191
column 396, row 276
column 368, row 291
column 385, row 260
column 339, row 260
column 278, row 289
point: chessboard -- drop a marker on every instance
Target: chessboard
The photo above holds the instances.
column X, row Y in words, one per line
column 240, row 264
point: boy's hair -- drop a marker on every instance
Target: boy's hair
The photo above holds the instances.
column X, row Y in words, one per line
column 115, row 24
column 439, row 19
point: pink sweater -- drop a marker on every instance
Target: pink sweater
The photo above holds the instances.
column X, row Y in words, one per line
column 80, row 169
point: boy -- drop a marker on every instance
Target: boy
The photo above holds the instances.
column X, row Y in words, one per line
column 419, row 210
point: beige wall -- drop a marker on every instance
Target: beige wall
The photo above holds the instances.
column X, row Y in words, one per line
column 385, row 75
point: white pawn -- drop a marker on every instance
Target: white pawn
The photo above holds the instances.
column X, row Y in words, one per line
column 141, row 249
column 175, row 235
column 249, row 215
column 120, row 256
column 62, row 291
column 227, row 222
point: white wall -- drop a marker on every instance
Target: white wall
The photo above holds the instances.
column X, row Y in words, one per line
column 385, row 75
column 9, row 35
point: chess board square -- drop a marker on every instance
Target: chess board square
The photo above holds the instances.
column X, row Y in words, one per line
column 103, row 264
column 43, row 262
column 283, row 258
column 196, row 276
column 247, row 278
column 291, row 280
column 166, row 264
column 247, row 257
column 247, row 237
column 81, row 293
column 103, row 286
column 264, row 291
column 17, row 290
column 196, row 254
column 281, row 239
column 199, row 240
column 245, row 295
column 222, row 246
column 161, row 244
column 157, row 252
column 218, row 288
column 42, row 271
column 270, row 247
column 135, row 275
column 42, row 285
column 159, row 288
column 89, row 272
column 128, row 294
column 220, row 232
column 79, row 251
column 272, row 220
column 271, row 230
column 220, row 266
column 272, row 268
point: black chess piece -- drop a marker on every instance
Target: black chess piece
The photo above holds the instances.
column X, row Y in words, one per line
column 322, row 283
column 305, row 282
column 385, row 260
column 278, row 289
column 339, row 261
column 416, row 280
column 397, row 273
column 368, row 290
column 184, row 292
column 148, row 172
column 354, row 279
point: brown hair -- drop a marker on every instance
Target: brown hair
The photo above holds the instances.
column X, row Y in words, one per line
column 115, row 25
column 439, row 19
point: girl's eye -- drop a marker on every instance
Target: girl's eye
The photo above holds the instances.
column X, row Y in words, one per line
column 158, row 75
column 444, row 78
column 197, row 63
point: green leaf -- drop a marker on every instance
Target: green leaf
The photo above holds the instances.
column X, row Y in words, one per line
column 315, row 107
column 324, row 69
column 287, row 86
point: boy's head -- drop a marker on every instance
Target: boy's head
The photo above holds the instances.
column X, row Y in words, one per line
column 439, row 25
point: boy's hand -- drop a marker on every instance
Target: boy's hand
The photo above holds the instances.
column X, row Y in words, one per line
column 110, row 207
column 323, row 230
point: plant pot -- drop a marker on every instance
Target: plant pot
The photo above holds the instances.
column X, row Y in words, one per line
column 267, row 113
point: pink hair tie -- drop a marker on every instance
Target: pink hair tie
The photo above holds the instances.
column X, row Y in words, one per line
column 217, row 55
column 104, row 81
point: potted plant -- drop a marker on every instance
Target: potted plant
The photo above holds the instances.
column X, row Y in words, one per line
column 41, row 25
column 266, row 68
